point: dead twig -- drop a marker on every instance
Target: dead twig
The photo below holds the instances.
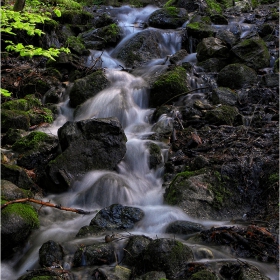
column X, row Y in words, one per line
column 78, row 211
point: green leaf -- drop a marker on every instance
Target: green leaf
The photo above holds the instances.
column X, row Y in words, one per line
column 5, row 92
column 57, row 12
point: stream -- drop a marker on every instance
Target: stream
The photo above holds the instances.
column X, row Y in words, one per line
column 133, row 183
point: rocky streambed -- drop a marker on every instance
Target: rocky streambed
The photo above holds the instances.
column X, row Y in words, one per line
column 162, row 124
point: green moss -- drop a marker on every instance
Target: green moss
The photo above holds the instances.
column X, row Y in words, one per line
column 195, row 25
column 172, row 11
column 45, row 278
column 213, row 7
column 219, row 190
column 76, row 44
column 276, row 66
column 222, row 115
column 19, row 104
column 113, row 29
column 203, row 275
column 273, row 178
column 254, row 3
column 27, row 212
column 172, row 197
column 30, row 142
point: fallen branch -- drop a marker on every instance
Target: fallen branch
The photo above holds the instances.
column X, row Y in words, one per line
column 78, row 211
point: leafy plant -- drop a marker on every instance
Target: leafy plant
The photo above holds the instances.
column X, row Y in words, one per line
column 26, row 21
column 31, row 51
column 5, row 92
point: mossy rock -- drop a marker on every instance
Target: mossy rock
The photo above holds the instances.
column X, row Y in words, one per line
column 140, row 49
column 168, row 17
column 213, row 7
column 14, row 119
column 211, row 48
column 12, row 135
column 214, row 64
column 36, row 149
column 75, row 17
column 76, row 45
column 199, row 30
column 222, row 115
column 168, row 86
column 17, row 220
column 107, row 36
column 23, row 104
column 236, row 76
column 18, row 176
column 252, row 52
column 87, row 87
column 155, row 155
column 203, row 275
column 10, row 191
column 166, row 255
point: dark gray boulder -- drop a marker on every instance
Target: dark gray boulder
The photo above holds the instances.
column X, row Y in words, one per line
column 87, row 87
column 18, row 221
column 184, row 227
column 86, row 145
column 236, row 76
column 96, row 254
column 170, row 17
column 252, row 52
column 166, row 255
column 117, row 217
column 51, row 253
column 211, row 47
column 140, row 49
column 10, row 191
column 224, row 96
column 134, row 249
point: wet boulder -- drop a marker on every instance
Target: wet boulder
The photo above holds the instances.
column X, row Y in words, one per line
column 213, row 64
column 96, row 254
column 87, row 87
column 222, row 115
column 12, row 135
column 18, row 220
column 86, row 145
column 18, row 176
column 50, row 254
column 152, row 275
column 155, row 157
column 140, row 49
column 167, row 18
column 36, row 149
column 100, row 38
column 184, row 227
column 227, row 37
column 242, row 272
column 224, row 96
column 199, row 30
column 189, row 5
column 236, row 76
column 211, row 48
column 193, row 194
column 47, row 274
column 134, row 249
column 117, row 217
column 23, row 113
column 167, row 255
column 167, row 86
column 10, row 191
column 178, row 56
column 252, row 52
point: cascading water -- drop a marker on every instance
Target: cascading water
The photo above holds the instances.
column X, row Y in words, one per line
column 134, row 183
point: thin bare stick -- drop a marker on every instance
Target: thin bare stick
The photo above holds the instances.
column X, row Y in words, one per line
column 78, row 211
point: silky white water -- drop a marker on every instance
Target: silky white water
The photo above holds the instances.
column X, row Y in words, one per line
column 134, row 183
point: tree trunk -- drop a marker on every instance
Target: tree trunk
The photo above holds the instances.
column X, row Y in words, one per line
column 19, row 5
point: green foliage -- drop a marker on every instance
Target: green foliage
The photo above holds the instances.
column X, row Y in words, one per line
column 169, row 3
column 26, row 21
column 5, row 92
column 31, row 51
